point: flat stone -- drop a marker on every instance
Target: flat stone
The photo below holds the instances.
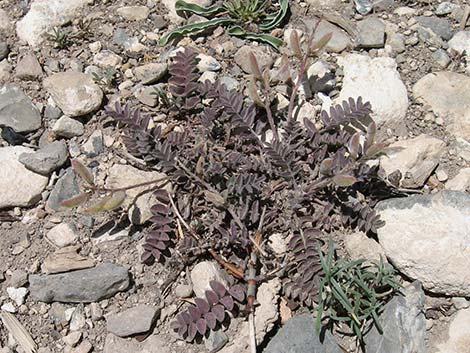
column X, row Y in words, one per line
column 28, row 67
column 262, row 55
column 359, row 246
column 416, row 159
column 448, row 95
column 426, row 238
column 339, row 41
column 65, row 188
column 82, row 286
column 20, row 186
column 441, row 58
column 147, row 96
column 18, row 295
column 203, row 273
column 440, row 26
column 298, row 335
column 371, row 33
column 4, row 50
column 64, row 260
column 458, row 339
column 17, row 111
column 134, row 13
column 63, row 234
column 75, row 93
column 43, row 16
column 460, row 42
column 207, row 63
column 5, row 69
column 136, row 320
column 154, row 343
column 94, row 145
column 461, row 182
column 403, row 323
column 5, row 21
column 107, row 58
column 389, row 98
column 68, row 127
column 150, row 73
column 445, row 8
column 47, row 159
column 120, row 176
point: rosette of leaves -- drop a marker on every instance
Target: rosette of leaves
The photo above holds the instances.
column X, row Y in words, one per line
column 353, row 292
column 248, row 19
column 209, row 312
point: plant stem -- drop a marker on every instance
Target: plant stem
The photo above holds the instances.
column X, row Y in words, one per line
column 96, row 188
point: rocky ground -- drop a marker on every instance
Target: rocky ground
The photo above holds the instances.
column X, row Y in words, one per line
column 76, row 282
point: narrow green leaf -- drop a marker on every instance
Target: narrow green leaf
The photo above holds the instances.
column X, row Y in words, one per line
column 238, row 31
column 208, row 12
column 194, row 28
column 274, row 21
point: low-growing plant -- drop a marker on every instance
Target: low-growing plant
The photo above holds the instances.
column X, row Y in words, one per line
column 59, row 38
column 248, row 19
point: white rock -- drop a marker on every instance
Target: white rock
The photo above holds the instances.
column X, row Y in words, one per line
column 20, row 187
column 448, row 95
column 68, row 127
column 5, row 69
column 461, row 182
column 17, row 294
column 458, row 340
column 207, row 63
column 134, row 13
column 415, row 159
column 107, row 58
column 376, row 81
column 44, row 16
column 125, row 175
column 9, row 307
column 63, row 234
column 426, row 237
column 460, row 42
column 5, row 22
column 75, row 93
column 203, row 273
column 360, row 246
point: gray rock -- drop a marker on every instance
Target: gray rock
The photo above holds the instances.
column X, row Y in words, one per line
column 82, row 286
column 63, row 234
column 66, row 187
column 154, row 343
column 298, row 336
column 138, row 319
column 183, row 291
column 150, row 73
column 371, row 33
column 439, row 26
column 68, row 127
column 339, row 41
column 403, row 323
column 460, row 43
column 320, row 77
column 426, row 238
column 46, row 159
column 4, row 50
column 457, row 337
column 461, row 182
column 230, row 83
column 74, row 93
column 262, row 55
column 5, row 69
column 397, row 42
column 19, row 278
column 106, row 59
column 17, row 110
column 20, row 186
column 147, row 96
column 134, row 13
column 445, row 8
column 28, row 67
column 94, row 145
column 52, row 113
column 441, row 58
column 363, row 7
column 5, row 22
column 207, row 63
column 216, row 341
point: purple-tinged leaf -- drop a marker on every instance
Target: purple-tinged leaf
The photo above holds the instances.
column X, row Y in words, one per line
column 202, row 305
column 186, row 317
column 218, row 287
column 219, row 312
column 227, row 302
column 237, row 292
column 211, row 320
column 344, row 180
column 192, row 331
column 76, row 200
column 325, row 166
column 194, row 312
column 212, row 297
column 83, row 171
column 201, row 326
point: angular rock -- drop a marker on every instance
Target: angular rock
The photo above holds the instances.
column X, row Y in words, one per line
column 360, row 246
column 43, row 16
column 5, row 69
column 458, row 340
column 136, row 320
column 19, row 186
column 263, row 57
column 28, row 67
column 416, row 159
column 107, row 58
column 445, row 8
column 207, row 63
column 82, row 286
column 17, row 111
column 65, row 188
column 426, row 238
column 74, row 92
column 439, row 26
column 64, row 260
column 150, row 73
column 448, row 95
column 403, row 323
column 17, row 294
column 460, row 42
column 63, row 234
column 154, row 343
column 441, row 58
column 298, row 335
column 125, row 175
column 5, row 22
column 389, row 98
column 68, row 127
column 339, row 41
column 4, row 50
column 94, row 145
column 461, row 182
column 203, row 273
column 47, row 159
column 134, row 13
column 371, row 33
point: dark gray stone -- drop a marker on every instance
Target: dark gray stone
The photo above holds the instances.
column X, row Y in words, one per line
column 4, row 50
column 132, row 321
column 371, row 33
column 363, row 6
column 403, row 323
column 66, row 187
column 440, row 26
column 82, row 286
column 216, row 341
column 17, row 111
column 52, row 113
column 47, row 159
column 298, row 335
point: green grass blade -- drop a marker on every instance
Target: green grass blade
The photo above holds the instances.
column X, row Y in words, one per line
column 237, row 31
column 194, row 28
column 277, row 19
column 208, row 12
